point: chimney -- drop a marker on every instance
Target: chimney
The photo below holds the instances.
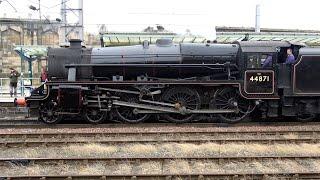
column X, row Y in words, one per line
column 75, row 43
column 257, row 27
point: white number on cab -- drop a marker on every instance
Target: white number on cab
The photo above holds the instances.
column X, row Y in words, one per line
column 260, row 78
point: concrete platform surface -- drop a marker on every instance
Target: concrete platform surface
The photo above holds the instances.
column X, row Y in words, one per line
column 7, row 99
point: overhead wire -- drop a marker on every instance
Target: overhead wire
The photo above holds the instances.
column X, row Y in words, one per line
column 11, row 5
column 48, row 7
column 41, row 5
column 58, row 4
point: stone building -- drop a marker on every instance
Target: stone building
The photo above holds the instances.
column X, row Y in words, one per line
column 24, row 32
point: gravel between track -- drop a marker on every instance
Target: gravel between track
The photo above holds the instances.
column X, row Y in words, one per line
column 163, row 150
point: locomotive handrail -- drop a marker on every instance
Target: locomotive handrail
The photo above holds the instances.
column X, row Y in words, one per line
column 154, row 55
column 151, row 65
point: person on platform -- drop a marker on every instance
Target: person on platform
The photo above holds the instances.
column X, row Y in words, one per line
column 14, row 75
column 290, row 57
column 43, row 79
column 44, row 76
column 268, row 62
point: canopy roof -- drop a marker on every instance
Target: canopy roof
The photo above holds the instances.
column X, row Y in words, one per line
column 311, row 39
column 126, row 38
column 31, row 53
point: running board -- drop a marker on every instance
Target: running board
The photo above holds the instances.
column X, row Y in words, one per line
column 151, row 109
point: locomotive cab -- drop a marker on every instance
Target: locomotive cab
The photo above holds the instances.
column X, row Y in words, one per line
column 263, row 80
column 259, row 80
column 275, row 81
column 285, row 71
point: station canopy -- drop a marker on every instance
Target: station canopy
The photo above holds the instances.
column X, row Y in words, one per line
column 31, row 53
column 232, row 34
column 124, row 38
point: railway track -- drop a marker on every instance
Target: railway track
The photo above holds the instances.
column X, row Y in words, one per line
column 123, row 134
column 163, row 161
column 7, row 110
column 197, row 137
column 19, row 117
column 200, row 176
column 23, row 119
column 19, row 122
column 218, row 159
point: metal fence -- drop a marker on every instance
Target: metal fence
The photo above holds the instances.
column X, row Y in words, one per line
column 24, row 86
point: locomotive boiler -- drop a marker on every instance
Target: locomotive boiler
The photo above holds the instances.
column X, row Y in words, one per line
column 162, row 60
column 178, row 82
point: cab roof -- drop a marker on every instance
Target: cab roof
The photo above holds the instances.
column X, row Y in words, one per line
column 266, row 46
column 309, row 51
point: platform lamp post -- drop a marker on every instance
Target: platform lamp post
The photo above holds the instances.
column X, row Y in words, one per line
column 29, row 62
column 36, row 9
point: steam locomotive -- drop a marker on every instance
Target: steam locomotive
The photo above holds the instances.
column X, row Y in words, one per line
column 179, row 82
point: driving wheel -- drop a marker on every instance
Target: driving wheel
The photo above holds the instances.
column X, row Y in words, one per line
column 230, row 99
column 182, row 98
column 127, row 114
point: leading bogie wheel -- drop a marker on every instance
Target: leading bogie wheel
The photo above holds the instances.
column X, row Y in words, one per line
column 49, row 113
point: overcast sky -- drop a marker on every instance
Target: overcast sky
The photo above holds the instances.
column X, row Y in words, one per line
column 200, row 16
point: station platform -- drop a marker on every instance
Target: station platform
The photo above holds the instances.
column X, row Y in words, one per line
column 9, row 110
column 7, row 100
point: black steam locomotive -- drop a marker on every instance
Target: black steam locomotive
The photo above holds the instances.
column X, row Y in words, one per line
column 179, row 82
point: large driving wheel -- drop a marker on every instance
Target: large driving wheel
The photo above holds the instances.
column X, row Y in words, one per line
column 94, row 115
column 230, row 99
column 126, row 114
column 49, row 113
column 181, row 97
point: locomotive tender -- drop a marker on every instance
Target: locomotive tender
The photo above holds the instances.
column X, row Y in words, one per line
column 178, row 82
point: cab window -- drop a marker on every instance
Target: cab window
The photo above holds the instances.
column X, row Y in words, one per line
column 256, row 60
column 263, row 59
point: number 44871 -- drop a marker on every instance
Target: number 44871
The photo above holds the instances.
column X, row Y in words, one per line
column 259, row 78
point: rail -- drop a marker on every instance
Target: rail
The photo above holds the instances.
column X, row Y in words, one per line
column 219, row 158
column 63, row 142
column 197, row 137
